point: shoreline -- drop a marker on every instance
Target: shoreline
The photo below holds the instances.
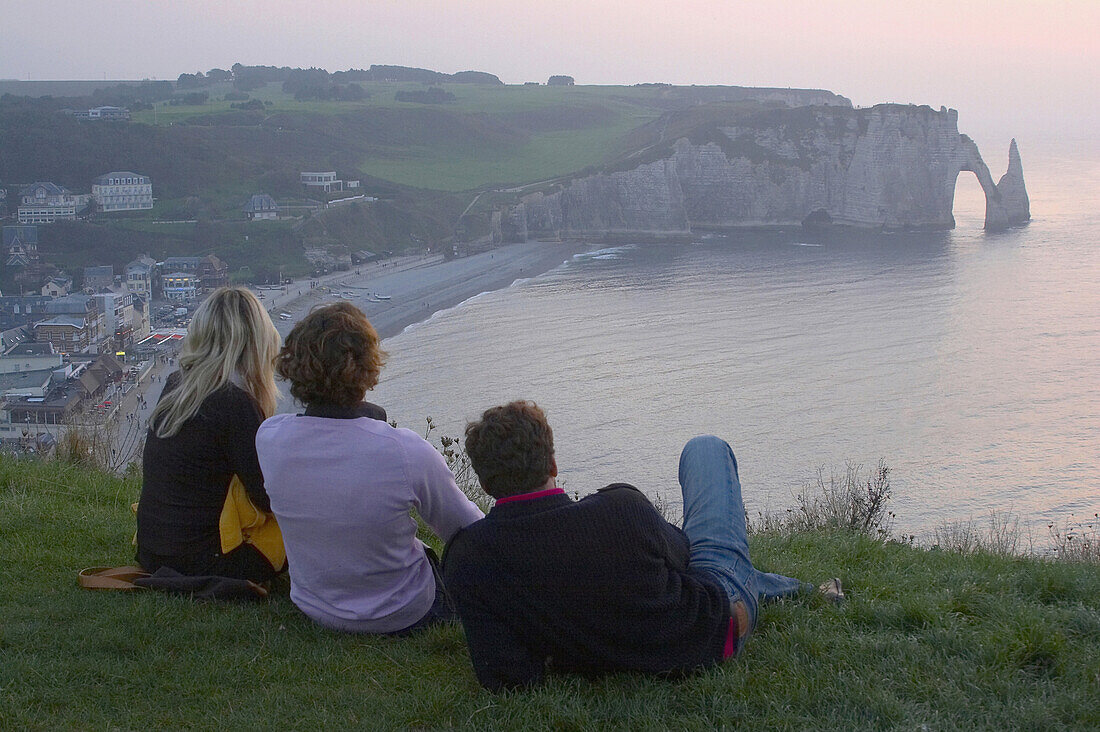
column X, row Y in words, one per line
column 418, row 289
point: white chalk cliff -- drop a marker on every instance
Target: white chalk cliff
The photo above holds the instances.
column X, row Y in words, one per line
column 889, row 167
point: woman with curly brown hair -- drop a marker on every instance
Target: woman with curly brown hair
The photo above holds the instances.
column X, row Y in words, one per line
column 342, row 484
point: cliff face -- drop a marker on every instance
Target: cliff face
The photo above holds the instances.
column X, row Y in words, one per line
column 888, row 167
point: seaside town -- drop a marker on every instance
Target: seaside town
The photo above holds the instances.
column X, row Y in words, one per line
column 83, row 350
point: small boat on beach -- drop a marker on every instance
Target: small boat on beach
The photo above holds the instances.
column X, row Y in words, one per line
column 381, row 297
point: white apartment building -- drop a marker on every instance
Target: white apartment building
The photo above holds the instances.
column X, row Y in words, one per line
column 118, row 316
column 123, row 191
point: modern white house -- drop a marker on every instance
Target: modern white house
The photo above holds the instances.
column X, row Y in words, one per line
column 327, row 181
column 123, row 191
column 44, row 203
column 324, row 181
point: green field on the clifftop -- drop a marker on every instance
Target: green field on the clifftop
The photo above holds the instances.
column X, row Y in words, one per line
column 486, row 136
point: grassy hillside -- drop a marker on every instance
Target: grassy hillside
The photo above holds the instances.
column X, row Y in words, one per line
column 928, row 639
column 488, row 135
column 207, row 150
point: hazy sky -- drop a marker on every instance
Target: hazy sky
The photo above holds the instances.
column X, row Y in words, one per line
column 1009, row 66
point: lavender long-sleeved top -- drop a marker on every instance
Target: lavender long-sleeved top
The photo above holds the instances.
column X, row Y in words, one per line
column 341, row 490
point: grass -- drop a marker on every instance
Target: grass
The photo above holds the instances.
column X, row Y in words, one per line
column 928, row 639
column 544, row 152
column 451, row 168
column 556, row 136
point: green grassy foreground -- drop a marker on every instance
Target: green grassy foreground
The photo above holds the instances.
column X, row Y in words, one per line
column 930, row 638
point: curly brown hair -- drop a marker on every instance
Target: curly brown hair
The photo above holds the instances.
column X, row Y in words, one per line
column 511, row 449
column 332, row 356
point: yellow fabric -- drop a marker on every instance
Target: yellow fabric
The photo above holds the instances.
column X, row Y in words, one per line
column 242, row 522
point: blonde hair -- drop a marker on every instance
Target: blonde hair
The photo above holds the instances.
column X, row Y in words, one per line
column 230, row 333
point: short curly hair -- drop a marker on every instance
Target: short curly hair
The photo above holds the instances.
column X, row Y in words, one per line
column 511, row 448
column 332, row 356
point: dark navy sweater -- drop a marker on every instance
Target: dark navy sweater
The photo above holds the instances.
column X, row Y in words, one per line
column 590, row 586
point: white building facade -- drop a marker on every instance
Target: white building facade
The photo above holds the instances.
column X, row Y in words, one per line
column 118, row 316
column 138, row 276
column 123, row 191
column 180, row 287
column 44, row 203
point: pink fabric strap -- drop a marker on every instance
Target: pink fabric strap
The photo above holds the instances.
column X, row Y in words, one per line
column 731, row 638
column 738, row 628
column 530, row 496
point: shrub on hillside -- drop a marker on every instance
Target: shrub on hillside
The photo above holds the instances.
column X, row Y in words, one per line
column 194, row 99
column 434, row 95
column 852, row 501
column 252, row 104
column 104, row 445
column 459, row 462
column 1077, row 541
column 1001, row 536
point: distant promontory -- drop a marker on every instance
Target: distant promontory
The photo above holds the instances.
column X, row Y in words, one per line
column 461, row 162
column 888, row 167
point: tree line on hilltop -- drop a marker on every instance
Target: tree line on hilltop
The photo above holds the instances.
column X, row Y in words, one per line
column 317, row 83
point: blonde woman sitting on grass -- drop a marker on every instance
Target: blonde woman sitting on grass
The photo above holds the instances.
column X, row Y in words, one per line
column 203, row 508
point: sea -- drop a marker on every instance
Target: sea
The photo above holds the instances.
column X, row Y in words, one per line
column 968, row 361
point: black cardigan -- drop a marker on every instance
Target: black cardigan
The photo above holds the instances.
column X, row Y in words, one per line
column 594, row 585
column 185, row 477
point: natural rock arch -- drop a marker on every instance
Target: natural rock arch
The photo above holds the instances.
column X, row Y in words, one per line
column 890, row 167
column 1006, row 202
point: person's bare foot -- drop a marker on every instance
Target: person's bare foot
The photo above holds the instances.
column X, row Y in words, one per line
column 832, row 591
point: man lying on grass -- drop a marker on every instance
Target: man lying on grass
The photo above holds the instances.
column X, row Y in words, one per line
column 603, row 583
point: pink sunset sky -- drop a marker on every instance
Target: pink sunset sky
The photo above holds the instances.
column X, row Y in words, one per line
column 1011, row 67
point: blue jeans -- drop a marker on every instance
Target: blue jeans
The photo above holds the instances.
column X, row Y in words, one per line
column 714, row 521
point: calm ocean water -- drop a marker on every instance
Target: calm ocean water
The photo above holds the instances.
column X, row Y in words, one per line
column 970, row 362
